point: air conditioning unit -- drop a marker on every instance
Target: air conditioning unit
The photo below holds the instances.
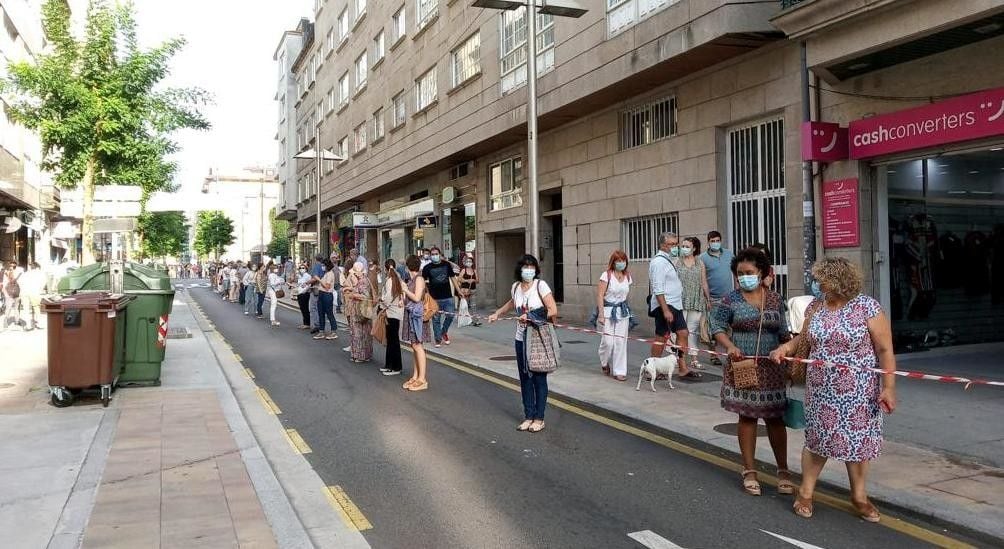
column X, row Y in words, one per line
column 461, row 170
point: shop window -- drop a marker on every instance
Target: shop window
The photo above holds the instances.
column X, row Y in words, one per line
column 640, row 235
column 756, row 192
column 648, row 123
column 504, row 184
column 459, row 230
column 513, row 47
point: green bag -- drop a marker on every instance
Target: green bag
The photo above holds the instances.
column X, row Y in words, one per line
column 794, row 414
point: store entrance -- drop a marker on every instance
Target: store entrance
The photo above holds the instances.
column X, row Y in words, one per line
column 944, row 240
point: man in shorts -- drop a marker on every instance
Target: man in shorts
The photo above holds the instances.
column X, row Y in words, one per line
column 666, row 304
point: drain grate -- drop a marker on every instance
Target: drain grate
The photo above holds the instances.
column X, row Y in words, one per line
column 503, row 358
column 732, row 429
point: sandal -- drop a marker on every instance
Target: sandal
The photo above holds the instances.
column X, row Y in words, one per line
column 750, row 485
column 525, row 425
column 802, row 507
column 605, row 370
column 689, row 375
column 419, row 386
column 785, row 486
column 867, row 511
column 409, row 383
column 536, row 427
column 620, row 378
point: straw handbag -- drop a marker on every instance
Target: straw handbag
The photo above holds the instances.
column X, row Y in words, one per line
column 744, row 372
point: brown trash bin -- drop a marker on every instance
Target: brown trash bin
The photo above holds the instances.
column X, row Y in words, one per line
column 86, row 343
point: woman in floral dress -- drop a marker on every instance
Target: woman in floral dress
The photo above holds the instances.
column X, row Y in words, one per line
column 736, row 325
column 358, row 294
column 844, row 399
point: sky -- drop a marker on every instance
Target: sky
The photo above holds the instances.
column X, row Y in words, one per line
column 230, row 44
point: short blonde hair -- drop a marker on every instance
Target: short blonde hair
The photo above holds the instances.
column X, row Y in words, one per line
column 841, row 278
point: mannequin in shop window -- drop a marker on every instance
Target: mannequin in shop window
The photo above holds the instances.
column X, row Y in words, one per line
column 922, row 254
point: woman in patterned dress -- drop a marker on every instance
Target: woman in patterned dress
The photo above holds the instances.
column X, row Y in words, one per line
column 736, row 324
column 358, row 293
column 414, row 330
column 844, row 405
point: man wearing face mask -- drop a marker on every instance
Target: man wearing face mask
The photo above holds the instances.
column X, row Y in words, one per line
column 718, row 268
column 303, row 284
column 666, row 303
column 426, row 258
column 439, row 276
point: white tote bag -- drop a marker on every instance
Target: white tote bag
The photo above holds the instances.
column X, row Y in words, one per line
column 463, row 314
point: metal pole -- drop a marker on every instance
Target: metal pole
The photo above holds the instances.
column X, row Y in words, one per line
column 261, row 211
column 808, row 201
column 531, row 125
column 317, row 182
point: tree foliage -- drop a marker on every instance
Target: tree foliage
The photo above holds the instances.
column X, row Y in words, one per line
column 214, row 231
column 163, row 234
column 279, row 246
column 96, row 103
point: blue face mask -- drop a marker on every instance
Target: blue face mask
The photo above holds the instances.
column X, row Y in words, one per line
column 434, row 258
column 749, row 282
column 528, row 274
column 674, row 251
column 620, row 265
column 715, row 246
column 817, row 292
column 686, row 251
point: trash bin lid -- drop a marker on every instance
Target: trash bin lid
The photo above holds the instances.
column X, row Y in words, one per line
column 101, row 301
column 135, row 277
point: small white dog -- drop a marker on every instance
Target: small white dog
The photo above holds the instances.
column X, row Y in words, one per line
column 654, row 366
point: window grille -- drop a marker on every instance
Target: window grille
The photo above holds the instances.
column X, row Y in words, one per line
column 505, row 185
column 640, row 235
column 648, row 123
column 425, row 89
column 467, row 59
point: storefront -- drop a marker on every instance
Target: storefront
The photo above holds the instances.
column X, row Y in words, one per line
column 343, row 233
column 937, row 175
column 459, row 229
column 400, row 235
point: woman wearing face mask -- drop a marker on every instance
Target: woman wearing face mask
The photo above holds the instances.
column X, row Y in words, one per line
column 613, row 315
column 261, row 288
column 533, row 302
column 694, row 280
column 468, row 285
column 303, row 279
column 751, row 322
column 414, row 330
column 275, row 283
column 326, row 301
column 358, row 293
column 392, row 302
column 249, row 289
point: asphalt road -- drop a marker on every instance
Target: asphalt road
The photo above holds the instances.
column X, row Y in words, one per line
column 446, row 468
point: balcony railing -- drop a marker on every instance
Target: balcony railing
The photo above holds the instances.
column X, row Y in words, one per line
column 785, row 4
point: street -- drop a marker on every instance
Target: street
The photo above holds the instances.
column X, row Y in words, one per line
column 446, row 468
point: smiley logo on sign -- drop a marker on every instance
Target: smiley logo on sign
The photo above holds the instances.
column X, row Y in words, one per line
column 818, row 132
column 998, row 114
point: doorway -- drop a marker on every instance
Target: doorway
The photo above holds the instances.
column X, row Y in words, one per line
column 508, row 249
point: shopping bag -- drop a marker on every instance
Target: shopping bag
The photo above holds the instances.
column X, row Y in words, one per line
column 464, row 314
column 706, row 330
column 379, row 329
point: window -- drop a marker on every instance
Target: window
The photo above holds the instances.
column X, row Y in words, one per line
column 359, row 138
column 343, row 26
column 622, row 14
column 343, row 90
column 379, row 49
column 377, row 131
column 513, row 47
column 425, row 90
column 330, row 41
column 648, row 123
column 361, row 71
column 467, row 59
column 426, row 10
column 319, row 116
column 398, row 25
column 341, row 149
column 504, row 184
column 400, row 110
column 360, row 9
column 318, row 4
column 640, row 235
column 331, row 99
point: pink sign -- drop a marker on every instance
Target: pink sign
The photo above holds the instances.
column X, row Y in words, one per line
column 823, row 142
column 958, row 119
column 840, row 214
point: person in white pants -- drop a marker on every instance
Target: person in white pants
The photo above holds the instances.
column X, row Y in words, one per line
column 696, row 299
column 275, row 283
column 614, row 316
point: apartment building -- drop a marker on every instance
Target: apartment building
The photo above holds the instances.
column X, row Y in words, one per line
column 673, row 115
column 286, row 53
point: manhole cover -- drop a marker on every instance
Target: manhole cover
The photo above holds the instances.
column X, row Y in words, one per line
column 6, row 385
column 504, row 358
column 733, row 429
column 574, row 341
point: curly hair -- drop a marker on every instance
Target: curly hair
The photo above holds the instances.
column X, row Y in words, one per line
column 841, row 278
column 754, row 256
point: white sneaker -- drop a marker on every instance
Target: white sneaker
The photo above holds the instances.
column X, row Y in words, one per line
column 347, row 349
column 392, row 373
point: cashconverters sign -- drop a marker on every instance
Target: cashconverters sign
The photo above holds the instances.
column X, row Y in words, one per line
column 972, row 116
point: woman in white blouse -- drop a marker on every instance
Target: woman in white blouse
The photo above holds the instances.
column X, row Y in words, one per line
column 614, row 316
column 275, row 284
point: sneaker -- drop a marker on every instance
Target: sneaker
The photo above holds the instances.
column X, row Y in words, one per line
column 347, row 349
column 318, row 335
column 382, row 370
column 446, row 339
column 245, row 313
column 438, row 344
column 391, row 372
column 333, row 335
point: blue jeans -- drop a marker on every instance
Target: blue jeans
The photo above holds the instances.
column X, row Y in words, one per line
column 441, row 322
column 325, row 310
column 532, row 385
column 261, row 301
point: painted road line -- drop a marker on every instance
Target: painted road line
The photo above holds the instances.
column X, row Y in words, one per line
column 248, row 373
column 267, row 401
column 652, row 540
column 793, row 541
column 899, row 525
column 238, row 358
column 351, row 514
column 297, row 442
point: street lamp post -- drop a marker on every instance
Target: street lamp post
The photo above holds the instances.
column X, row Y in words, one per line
column 318, row 155
column 561, row 8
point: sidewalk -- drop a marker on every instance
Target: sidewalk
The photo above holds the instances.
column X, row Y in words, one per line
column 170, row 466
column 932, row 483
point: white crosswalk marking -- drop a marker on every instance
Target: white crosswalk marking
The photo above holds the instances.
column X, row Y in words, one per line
column 652, row 540
column 795, row 542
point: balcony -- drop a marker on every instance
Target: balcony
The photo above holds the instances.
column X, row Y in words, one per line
column 785, row 4
column 49, row 198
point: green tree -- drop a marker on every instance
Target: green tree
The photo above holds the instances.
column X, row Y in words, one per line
column 214, row 231
column 97, row 107
column 163, row 234
column 279, row 247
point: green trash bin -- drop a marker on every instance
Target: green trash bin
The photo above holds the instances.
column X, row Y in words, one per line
column 146, row 321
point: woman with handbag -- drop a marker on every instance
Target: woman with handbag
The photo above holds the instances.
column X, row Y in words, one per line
column 750, row 323
column 416, row 328
column 535, row 341
column 696, row 296
column 392, row 309
column 844, row 406
column 360, row 307
column 274, row 292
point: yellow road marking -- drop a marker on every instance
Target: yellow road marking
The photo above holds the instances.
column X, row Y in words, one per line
column 238, row 358
column 899, row 525
column 248, row 373
column 267, row 401
column 297, row 442
column 351, row 514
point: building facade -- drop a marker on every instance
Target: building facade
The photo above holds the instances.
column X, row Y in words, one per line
column 247, row 197
column 674, row 115
column 286, row 53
